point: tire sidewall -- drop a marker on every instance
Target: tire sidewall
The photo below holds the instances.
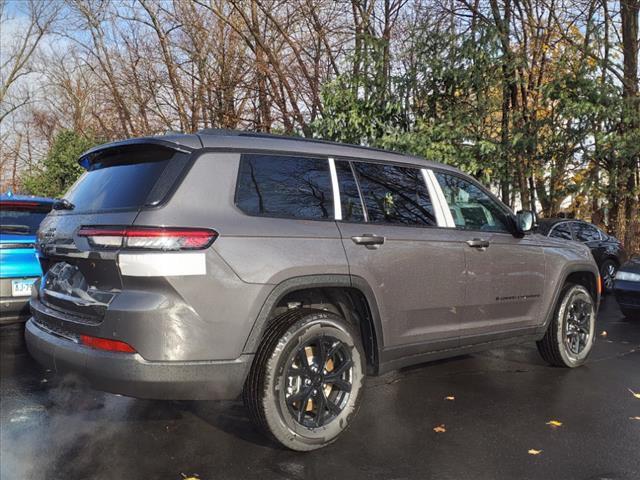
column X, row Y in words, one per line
column 286, row 429
column 569, row 358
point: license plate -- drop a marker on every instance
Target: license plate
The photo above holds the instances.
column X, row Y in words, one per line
column 22, row 287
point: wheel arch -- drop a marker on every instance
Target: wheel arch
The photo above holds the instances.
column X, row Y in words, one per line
column 348, row 296
column 613, row 258
column 585, row 275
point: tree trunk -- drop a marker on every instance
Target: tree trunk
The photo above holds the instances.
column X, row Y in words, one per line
column 627, row 222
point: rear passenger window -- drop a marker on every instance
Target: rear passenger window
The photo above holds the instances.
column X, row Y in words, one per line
column 349, row 196
column 395, row 195
column 586, row 232
column 285, row 186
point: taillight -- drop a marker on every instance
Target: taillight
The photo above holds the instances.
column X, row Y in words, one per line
column 149, row 238
column 106, row 344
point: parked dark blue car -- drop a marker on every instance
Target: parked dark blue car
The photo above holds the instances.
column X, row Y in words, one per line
column 20, row 217
column 627, row 288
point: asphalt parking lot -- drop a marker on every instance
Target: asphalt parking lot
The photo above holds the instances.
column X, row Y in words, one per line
column 59, row 429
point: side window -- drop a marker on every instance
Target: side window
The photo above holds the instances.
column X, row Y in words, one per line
column 562, row 230
column 395, row 195
column 285, row 186
column 586, row 232
column 471, row 207
column 349, row 195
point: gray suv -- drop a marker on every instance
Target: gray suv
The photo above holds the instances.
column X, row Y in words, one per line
column 222, row 264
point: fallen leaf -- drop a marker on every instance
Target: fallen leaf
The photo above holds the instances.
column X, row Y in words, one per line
column 450, row 397
column 637, row 395
column 534, row 452
column 634, row 418
column 440, row 429
column 195, row 476
column 554, row 423
column 604, row 333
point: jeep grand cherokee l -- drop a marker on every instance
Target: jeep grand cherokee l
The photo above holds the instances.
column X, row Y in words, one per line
column 212, row 265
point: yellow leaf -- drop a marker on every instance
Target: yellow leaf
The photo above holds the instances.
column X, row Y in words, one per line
column 450, row 397
column 440, row 429
column 554, row 423
column 535, row 452
column 637, row 395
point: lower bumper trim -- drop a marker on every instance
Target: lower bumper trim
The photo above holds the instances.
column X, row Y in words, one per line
column 131, row 375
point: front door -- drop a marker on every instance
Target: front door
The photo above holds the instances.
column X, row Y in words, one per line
column 504, row 281
column 394, row 242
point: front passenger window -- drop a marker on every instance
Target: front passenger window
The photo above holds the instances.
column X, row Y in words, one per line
column 471, row 208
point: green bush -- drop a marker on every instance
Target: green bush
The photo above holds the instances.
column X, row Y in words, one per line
column 60, row 167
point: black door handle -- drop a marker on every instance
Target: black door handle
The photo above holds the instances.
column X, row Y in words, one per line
column 368, row 240
column 478, row 243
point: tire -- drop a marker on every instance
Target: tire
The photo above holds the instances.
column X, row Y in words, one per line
column 288, row 396
column 575, row 313
column 608, row 271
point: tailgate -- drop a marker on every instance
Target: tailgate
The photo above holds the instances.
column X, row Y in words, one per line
column 119, row 182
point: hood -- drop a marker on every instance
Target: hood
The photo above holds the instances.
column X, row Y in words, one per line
column 551, row 242
column 632, row 265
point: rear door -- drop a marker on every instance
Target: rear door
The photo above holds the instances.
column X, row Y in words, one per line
column 118, row 183
column 504, row 281
column 592, row 238
column 393, row 238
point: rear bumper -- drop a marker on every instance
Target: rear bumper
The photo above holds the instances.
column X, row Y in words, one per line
column 14, row 309
column 132, row 375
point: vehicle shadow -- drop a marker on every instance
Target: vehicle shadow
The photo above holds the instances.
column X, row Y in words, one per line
column 231, row 417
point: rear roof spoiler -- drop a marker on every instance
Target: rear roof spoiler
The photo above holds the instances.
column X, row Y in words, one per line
column 178, row 143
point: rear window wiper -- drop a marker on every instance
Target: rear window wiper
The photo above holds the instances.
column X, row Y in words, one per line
column 63, row 204
column 20, row 229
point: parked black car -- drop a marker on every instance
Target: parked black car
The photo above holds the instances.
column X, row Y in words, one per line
column 607, row 250
column 627, row 288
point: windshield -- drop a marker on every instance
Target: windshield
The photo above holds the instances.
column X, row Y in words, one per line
column 21, row 222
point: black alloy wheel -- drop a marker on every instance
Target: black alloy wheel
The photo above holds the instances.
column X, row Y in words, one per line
column 608, row 273
column 306, row 380
column 318, row 381
column 577, row 325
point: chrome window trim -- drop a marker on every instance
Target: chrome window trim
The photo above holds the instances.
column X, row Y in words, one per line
column 441, row 207
column 337, row 201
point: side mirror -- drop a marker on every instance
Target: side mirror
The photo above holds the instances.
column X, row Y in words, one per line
column 525, row 220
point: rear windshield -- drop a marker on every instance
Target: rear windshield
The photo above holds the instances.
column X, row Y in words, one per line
column 119, row 181
column 20, row 220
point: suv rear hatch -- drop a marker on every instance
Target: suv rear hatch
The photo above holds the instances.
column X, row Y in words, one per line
column 121, row 179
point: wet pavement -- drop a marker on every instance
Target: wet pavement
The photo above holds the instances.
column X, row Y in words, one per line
column 52, row 429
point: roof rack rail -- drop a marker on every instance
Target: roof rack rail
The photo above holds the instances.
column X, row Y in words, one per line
column 243, row 133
